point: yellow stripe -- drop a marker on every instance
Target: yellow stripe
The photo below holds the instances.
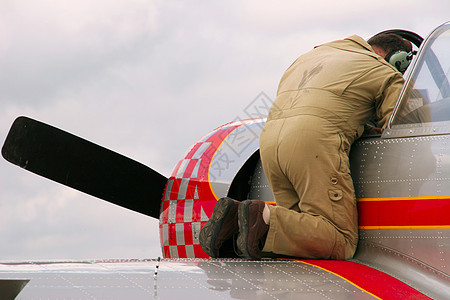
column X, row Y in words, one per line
column 341, row 277
column 403, row 198
column 389, row 199
column 270, row 203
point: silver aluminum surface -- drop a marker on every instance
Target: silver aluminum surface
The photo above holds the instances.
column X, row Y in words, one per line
column 176, row 279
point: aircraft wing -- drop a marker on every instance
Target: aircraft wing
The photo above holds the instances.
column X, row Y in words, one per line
column 203, row 279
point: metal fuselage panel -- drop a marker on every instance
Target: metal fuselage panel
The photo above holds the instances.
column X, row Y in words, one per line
column 414, row 175
column 402, row 187
column 401, row 167
column 415, row 168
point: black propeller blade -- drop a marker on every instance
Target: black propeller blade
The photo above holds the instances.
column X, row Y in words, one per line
column 85, row 166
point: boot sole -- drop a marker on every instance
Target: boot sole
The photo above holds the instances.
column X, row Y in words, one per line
column 209, row 232
column 243, row 219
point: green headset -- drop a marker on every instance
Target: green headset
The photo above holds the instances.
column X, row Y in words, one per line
column 399, row 59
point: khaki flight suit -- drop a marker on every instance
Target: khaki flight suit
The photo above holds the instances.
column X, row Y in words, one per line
column 323, row 101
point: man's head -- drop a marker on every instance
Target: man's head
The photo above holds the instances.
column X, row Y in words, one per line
column 396, row 50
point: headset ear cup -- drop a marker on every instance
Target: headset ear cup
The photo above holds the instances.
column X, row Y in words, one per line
column 399, row 59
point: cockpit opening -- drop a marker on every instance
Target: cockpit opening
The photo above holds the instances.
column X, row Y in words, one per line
column 425, row 100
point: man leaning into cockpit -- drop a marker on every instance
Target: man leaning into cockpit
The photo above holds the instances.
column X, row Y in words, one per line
column 324, row 99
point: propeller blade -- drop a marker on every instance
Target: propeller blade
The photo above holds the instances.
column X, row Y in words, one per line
column 75, row 162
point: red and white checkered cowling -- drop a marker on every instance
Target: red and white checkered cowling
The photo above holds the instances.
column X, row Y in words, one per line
column 199, row 180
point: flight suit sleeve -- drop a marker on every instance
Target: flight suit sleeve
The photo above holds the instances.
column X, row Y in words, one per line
column 388, row 95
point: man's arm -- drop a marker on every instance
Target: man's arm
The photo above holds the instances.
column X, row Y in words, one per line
column 389, row 94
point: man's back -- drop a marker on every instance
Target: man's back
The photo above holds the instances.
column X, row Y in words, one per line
column 342, row 81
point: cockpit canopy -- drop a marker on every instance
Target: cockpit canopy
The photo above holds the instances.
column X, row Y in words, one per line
column 424, row 107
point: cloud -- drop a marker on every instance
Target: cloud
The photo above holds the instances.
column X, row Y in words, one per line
column 52, row 46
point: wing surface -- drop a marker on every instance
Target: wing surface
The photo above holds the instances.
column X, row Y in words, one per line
column 204, row 279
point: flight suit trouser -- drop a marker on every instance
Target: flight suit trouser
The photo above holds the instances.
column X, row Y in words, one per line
column 305, row 159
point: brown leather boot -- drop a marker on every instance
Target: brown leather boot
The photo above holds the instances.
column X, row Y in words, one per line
column 252, row 229
column 220, row 227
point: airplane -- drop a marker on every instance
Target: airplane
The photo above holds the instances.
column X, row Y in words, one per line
column 401, row 178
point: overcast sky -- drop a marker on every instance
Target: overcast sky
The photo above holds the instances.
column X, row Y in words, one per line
column 147, row 79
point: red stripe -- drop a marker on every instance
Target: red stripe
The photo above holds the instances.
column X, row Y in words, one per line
column 190, row 192
column 175, row 188
column 190, row 168
column 370, row 280
column 193, row 150
column 172, row 235
column 198, row 251
column 166, row 251
column 188, row 239
column 414, row 212
column 181, row 250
